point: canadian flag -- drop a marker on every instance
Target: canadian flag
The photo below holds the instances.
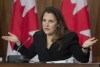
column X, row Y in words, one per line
column 24, row 22
column 76, row 15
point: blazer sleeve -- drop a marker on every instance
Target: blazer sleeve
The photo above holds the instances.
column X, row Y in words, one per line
column 31, row 51
column 76, row 50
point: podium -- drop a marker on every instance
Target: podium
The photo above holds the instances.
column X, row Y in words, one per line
column 47, row 65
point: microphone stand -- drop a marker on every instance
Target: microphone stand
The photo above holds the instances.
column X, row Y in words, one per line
column 19, row 58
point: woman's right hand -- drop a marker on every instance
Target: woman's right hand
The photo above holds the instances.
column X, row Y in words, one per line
column 12, row 38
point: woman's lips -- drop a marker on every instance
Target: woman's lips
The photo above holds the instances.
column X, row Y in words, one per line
column 47, row 29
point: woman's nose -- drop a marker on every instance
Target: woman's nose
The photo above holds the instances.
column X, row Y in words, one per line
column 47, row 24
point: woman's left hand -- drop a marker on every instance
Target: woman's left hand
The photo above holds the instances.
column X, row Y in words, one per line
column 89, row 42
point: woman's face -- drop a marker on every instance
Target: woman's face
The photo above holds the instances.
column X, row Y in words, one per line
column 49, row 23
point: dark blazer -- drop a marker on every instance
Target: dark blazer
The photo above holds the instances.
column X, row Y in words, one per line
column 70, row 47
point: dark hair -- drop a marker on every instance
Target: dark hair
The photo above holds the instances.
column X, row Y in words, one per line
column 59, row 33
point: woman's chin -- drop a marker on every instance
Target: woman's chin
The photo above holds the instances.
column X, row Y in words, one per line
column 48, row 33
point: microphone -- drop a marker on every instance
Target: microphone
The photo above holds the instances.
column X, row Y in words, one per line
column 19, row 58
column 29, row 38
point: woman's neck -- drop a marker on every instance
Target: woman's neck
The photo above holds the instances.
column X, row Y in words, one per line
column 49, row 41
column 49, row 36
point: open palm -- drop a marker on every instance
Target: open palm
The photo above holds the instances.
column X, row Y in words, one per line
column 11, row 37
column 89, row 42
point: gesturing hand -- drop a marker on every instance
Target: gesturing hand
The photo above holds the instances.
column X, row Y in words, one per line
column 11, row 37
column 89, row 42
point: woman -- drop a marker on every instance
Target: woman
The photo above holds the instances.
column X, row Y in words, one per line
column 54, row 41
